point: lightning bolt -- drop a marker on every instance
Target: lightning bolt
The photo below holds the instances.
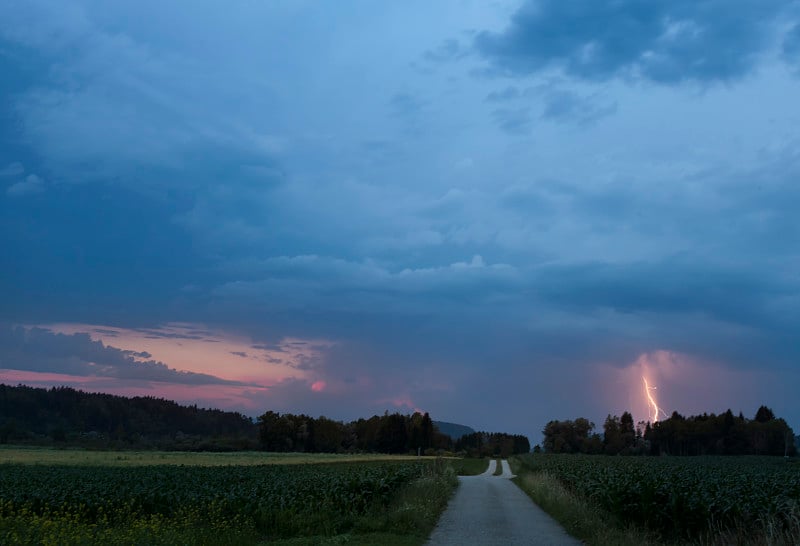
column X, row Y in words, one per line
column 651, row 402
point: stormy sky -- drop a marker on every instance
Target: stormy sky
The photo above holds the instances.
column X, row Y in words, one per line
column 498, row 212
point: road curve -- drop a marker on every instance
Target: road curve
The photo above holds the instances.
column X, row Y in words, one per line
column 492, row 510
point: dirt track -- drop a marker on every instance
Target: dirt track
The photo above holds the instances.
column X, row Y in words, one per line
column 491, row 510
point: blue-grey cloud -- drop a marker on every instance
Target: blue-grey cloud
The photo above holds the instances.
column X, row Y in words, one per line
column 31, row 184
column 663, row 41
column 516, row 121
column 509, row 93
column 406, row 105
column 558, row 103
column 791, row 46
column 449, row 50
column 569, row 106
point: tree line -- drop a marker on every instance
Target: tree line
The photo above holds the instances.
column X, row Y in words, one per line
column 493, row 444
column 388, row 433
column 706, row 434
column 65, row 416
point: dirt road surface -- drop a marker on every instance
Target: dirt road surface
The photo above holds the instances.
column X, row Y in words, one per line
column 491, row 510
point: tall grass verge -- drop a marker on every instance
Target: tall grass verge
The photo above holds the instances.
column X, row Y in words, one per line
column 578, row 516
column 782, row 529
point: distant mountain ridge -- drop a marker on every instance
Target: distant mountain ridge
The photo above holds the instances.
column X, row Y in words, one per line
column 454, row 430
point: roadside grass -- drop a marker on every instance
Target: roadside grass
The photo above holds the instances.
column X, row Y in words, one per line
column 83, row 457
column 498, row 469
column 783, row 530
column 578, row 516
column 469, row 467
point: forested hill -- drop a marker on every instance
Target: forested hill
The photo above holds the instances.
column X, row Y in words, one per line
column 62, row 414
column 455, row 431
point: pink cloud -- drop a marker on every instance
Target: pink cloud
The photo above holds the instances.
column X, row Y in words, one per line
column 36, row 379
column 200, row 349
column 318, row 386
column 403, row 402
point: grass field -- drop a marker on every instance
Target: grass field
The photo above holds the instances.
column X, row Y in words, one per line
column 79, row 497
column 469, row 467
column 50, row 456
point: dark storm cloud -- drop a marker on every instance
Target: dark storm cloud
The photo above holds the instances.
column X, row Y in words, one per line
column 272, row 347
column 108, row 333
column 137, row 354
column 152, row 333
column 679, row 285
column 663, row 41
column 791, row 46
column 138, row 255
column 40, row 350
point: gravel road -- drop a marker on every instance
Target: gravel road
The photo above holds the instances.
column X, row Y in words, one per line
column 488, row 510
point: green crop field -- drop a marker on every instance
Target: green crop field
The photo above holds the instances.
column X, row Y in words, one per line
column 683, row 498
column 232, row 504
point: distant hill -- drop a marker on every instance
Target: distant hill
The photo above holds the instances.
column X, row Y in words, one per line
column 455, row 431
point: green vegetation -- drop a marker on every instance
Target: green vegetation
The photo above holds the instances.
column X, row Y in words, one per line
column 498, row 469
column 705, row 500
column 469, row 467
column 357, row 503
